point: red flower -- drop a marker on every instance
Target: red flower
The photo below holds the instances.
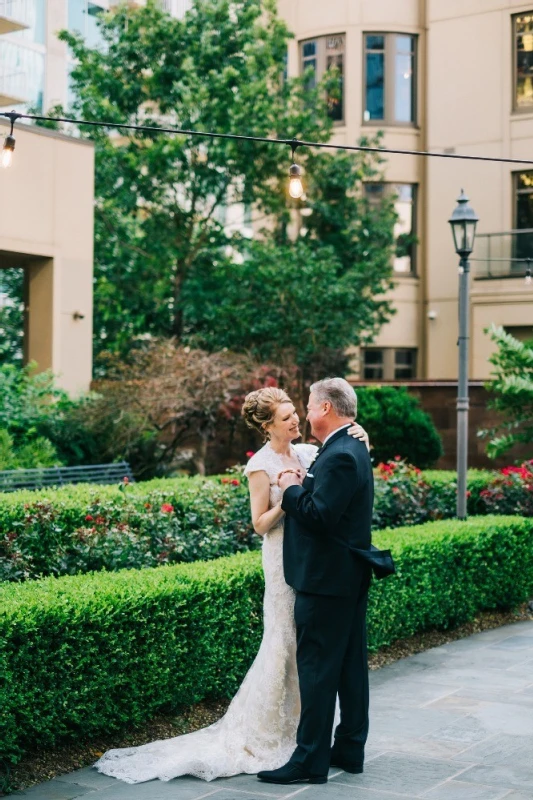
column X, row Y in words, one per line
column 397, row 458
column 125, row 479
column 88, row 518
column 224, row 480
column 167, row 508
column 249, row 453
column 469, row 494
column 235, row 482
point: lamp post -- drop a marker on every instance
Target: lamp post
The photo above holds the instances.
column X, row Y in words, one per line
column 463, row 222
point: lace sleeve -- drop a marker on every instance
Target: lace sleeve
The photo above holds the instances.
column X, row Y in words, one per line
column 306, row 453
column 257, row 463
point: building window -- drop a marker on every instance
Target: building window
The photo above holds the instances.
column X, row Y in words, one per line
column 523, row 61
column 524, row 333
column 83, row 18
column 404, row 261
column 320, row 55
column 388, row 364
column 390, row 78
column 522, row 243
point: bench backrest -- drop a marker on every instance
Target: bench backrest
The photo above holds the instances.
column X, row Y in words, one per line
column 11, row 480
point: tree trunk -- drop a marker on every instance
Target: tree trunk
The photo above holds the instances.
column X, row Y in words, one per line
column 200, row 455
column 177, row 324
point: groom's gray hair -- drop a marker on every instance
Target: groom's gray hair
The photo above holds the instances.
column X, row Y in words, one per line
column 339, row 393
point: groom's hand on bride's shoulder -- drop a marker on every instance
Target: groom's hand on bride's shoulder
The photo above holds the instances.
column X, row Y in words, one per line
column 289, row 477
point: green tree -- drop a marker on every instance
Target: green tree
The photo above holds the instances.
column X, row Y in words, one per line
column 512, row 390
column 160, row 199
column 398, row 426
column 11, row 316
column 299, row 300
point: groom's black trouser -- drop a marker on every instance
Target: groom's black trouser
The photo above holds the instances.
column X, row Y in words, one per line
column 332, row 659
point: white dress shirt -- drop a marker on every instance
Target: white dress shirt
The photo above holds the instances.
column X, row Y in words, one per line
column 334, row 432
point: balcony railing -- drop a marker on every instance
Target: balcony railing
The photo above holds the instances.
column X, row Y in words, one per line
column 502, row 255
column 177, row 8
column 14, row 15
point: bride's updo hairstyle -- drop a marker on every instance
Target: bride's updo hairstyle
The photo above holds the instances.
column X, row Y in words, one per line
column 259, row 408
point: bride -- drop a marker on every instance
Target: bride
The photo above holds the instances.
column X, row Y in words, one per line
column 258, row 731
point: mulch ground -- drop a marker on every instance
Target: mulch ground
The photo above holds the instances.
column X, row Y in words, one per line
column 42, row 765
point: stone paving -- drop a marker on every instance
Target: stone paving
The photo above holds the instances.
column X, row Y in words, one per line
column 453, row 723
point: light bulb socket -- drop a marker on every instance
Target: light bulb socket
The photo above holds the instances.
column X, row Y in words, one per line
column 295, row 171
column 9, row 143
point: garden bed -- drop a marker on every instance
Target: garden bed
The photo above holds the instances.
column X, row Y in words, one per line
column 95, row 653
column 79, row 529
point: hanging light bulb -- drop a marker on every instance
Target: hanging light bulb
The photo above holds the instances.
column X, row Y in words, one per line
column 7, row 152
column 9, row 141
column 296, row 188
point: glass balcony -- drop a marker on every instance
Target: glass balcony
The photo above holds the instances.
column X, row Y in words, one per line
column 13, row 16
column 21, row 76
column 177, row 8
column 502, row 255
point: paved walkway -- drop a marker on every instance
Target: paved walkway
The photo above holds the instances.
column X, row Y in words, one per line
column 453, row 723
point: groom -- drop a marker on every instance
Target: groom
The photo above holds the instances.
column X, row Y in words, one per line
column 328, row 560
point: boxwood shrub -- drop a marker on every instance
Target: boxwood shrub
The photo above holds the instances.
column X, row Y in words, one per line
column 89, row 654
column 88, row 528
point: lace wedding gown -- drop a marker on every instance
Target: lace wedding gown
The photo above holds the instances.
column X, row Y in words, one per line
column 258, row 730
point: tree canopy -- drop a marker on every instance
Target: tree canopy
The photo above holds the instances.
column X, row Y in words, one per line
column 166, row 261
column 512, row 390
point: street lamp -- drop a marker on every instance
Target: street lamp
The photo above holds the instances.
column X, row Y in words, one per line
column 463, row 222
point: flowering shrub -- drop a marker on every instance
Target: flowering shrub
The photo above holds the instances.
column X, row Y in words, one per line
column 205, row 520
column 511, row 491
column 401, row 495
column 165, row 521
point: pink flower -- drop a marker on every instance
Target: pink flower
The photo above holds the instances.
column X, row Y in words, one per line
column 397, row 458
column 224, row 480
column 249, row 453
column 167, row 508
column 125, row 479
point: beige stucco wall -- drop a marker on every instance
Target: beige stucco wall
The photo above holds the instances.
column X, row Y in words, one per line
column 470, row 111
column 464, row 98
column 309, row 18
column 46, row 226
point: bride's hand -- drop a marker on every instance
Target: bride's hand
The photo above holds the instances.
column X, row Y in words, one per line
column 358, row 432
column 297, row 472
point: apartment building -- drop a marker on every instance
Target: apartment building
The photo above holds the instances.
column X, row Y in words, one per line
column 446, row 76
column 46, row 225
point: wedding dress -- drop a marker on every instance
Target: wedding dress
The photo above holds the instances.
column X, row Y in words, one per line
column 258, row 730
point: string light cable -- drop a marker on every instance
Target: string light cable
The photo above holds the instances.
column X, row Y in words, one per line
column 296, row 189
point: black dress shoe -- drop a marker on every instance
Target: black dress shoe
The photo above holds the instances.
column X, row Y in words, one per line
column 353, row 767
column 290, row 773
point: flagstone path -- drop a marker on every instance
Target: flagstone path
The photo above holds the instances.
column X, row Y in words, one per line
column 453, row 723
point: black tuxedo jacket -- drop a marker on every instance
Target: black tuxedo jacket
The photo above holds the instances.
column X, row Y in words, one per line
column 327, row 539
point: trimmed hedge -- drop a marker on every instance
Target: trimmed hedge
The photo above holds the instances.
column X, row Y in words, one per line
column 89, row 654
column 78, row 529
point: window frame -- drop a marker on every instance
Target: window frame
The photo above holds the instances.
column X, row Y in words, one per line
column 516, row 109
column 388, row 363
column 389, row 188
column 389, row 51
column 320, row 57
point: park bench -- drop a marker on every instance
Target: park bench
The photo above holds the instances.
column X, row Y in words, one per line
column 13, row 479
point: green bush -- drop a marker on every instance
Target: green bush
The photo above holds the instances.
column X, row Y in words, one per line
column 35, row 452
column 398, row 426
column 89, row 654
column 82, row 529
column 86, row 528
